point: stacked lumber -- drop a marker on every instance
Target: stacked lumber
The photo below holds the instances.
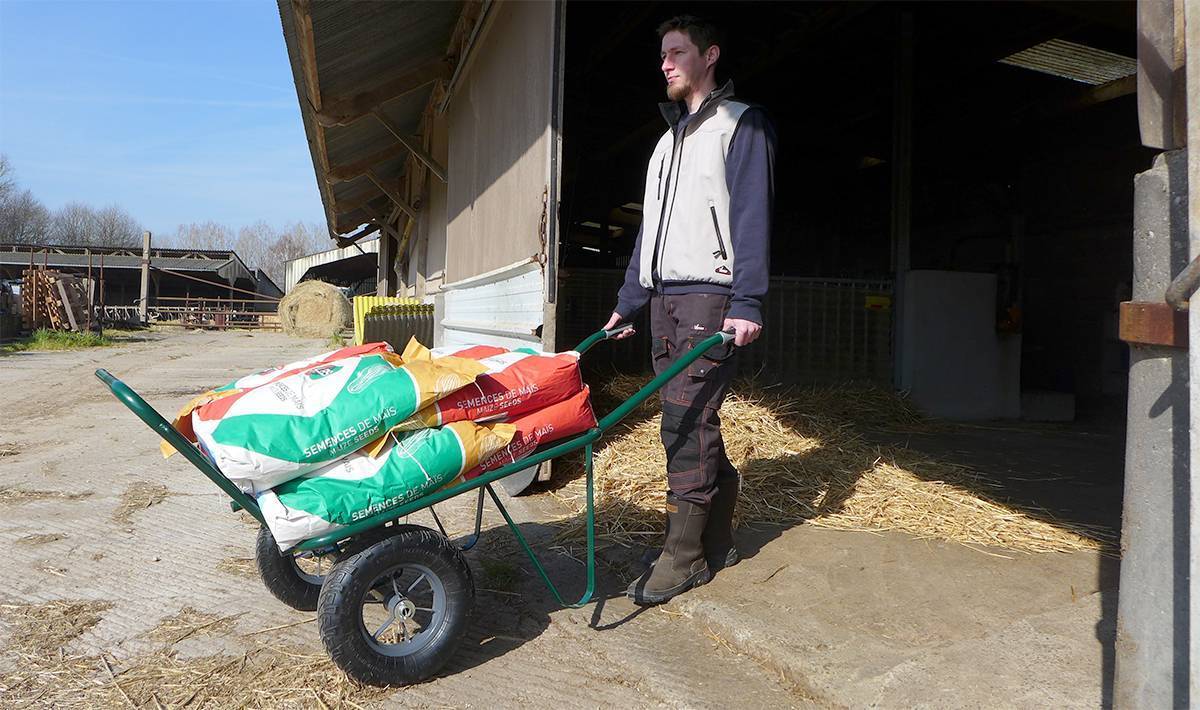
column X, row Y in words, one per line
column 54, row 300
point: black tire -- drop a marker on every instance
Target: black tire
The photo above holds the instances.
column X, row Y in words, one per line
column 283, row 578
column 358, row 543
column 368, row 585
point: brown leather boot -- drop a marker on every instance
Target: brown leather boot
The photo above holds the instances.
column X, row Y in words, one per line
column 681, row 565
column 719, row 548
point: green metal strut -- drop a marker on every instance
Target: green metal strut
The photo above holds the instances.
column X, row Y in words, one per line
column 591, row 539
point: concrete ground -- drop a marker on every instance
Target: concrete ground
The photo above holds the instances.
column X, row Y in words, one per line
column 810, row 618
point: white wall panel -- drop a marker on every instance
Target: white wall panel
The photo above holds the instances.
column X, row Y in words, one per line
column 502, row 307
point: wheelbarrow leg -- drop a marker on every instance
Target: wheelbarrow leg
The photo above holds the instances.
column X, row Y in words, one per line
column 591, row 538
column 474, row 538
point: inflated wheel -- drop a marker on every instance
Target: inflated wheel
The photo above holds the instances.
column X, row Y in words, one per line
column 358, row 543
column 395, row 613
column 294, row 579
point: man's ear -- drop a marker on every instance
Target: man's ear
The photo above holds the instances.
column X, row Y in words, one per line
column 712, row 55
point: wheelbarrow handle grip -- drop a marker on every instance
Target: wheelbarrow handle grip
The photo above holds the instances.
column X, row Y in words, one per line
column 610, row 334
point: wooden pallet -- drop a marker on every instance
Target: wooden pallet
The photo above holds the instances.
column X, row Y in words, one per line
column 53, row 300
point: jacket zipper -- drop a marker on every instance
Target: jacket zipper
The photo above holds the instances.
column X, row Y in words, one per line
column 656, row 261
column 717, row 228
column 660, row 167
column 676, row 148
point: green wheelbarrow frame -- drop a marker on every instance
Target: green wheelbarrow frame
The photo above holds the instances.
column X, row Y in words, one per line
column 585, row 441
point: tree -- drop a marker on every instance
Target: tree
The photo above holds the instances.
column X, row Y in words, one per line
column 254, row 246
column 73, row 224
column 23, row 218
column 259, row 245
column 8, row 181
column 114, row 227
column 203, row 235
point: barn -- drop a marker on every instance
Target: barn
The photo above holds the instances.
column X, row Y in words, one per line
column 969, row 196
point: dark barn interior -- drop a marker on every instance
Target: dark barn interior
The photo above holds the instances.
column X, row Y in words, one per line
column 1018, row 167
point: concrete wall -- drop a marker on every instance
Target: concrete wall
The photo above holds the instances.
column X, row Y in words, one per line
column 952, row 361
column 499, row 137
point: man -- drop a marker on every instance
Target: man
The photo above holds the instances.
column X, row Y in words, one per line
column 701, row 262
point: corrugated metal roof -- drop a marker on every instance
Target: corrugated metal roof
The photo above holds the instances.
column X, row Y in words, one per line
column 1074, row 61
column 225, row 264
column 358, row 47
column 53, row 260
column 220, row 254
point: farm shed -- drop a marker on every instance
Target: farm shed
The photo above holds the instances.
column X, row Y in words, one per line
column 175, row 274
column 968, row 197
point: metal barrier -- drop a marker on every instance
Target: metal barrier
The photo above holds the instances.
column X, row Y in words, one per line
column 817, row 329
column 397, row 323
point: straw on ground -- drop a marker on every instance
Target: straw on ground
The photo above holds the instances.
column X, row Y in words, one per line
column 803, row 459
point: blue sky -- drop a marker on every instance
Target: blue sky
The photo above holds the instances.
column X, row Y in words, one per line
column 178, row 111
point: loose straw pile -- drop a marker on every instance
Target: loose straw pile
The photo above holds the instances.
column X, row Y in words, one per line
column 803, row 460
column 37, row 669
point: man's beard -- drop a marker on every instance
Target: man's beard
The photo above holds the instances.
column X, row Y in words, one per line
column 679, row 90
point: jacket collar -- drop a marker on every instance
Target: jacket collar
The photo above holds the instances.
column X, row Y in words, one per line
column 672, row 111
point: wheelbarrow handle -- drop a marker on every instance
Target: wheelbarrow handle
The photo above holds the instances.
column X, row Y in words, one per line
column 676, row 368
column 609, row 334
column 142, row 409
column 599, row 335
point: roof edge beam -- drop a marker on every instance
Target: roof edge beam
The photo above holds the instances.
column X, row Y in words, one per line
column 342, row 111
column 412, row 145
column 302, row 14
column 392, row 193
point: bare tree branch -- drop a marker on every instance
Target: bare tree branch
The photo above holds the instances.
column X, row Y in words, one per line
column 23, row 219
column 114, row 227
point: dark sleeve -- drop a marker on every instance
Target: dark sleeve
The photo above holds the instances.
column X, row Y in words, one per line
column 633, row 295
column 750, row 176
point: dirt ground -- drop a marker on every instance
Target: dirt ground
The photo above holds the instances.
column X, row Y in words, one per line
column 90, row 512
column 133, row 583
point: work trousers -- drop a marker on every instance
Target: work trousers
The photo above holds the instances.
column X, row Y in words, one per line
column 691, row 425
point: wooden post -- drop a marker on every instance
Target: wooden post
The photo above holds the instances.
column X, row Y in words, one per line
column 101, row 318
column 145, row 277
column 91, row 288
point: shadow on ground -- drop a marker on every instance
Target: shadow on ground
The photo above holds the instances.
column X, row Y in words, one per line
column 1063, row 474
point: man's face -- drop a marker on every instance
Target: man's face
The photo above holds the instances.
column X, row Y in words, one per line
column 682, row 64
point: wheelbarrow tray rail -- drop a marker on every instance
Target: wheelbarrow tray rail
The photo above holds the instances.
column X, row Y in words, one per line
column 330, row 541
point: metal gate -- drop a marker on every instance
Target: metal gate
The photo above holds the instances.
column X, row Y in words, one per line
column 817, row 329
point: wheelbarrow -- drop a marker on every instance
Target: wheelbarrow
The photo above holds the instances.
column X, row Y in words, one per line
column 393, row 599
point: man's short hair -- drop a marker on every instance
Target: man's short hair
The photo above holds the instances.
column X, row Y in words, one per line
column 703, row 33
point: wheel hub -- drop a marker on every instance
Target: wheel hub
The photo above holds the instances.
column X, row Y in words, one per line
column 401, row 607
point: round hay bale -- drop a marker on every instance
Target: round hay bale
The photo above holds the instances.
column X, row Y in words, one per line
column 315, row 309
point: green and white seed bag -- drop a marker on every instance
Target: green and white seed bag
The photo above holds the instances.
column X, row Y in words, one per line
column 360, row 485
column 295, row 425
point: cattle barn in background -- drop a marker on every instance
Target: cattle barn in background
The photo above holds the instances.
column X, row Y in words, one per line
column 176, row 275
